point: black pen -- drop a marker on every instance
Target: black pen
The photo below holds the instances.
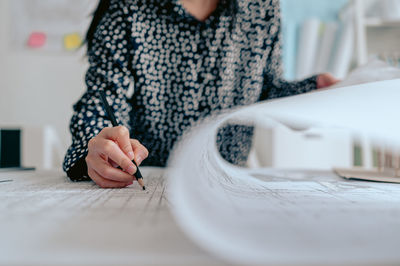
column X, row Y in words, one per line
column 114, row 122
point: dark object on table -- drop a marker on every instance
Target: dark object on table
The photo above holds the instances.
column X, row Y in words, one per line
column 10, row 148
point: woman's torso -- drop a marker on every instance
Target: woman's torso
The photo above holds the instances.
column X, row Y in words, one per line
column 185, row 69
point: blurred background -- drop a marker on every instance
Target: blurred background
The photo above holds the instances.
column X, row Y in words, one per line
column 42, row 68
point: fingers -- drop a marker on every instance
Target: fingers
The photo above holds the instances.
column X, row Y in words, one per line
column 107, row 171
column 120, row 135
column 113, row 164
column 331, row 79
column 110, row 149
column 326, row 80
column 139, row 151
column 106, row 183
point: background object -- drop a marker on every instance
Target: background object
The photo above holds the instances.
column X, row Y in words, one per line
column 37, row 40
column 30, row 146
column 55, row 19
column 374, row 70
column 377, row 30
column 283, row 148
column 344, row 52
column 39, row 87
column 327, row 44
column 42, row 147
column 294, row 13
column 390, row 10
column 308, row 48
column 10, row 148
column 279, row 146
column 72, row 41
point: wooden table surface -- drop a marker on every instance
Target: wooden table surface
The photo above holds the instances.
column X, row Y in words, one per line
column 48, row 220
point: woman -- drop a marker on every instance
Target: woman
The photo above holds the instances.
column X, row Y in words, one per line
column 186, row 59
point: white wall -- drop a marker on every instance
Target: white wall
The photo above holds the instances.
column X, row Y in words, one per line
column 37, row 89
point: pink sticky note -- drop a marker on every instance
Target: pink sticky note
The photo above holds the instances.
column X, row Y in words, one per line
column 37, row 39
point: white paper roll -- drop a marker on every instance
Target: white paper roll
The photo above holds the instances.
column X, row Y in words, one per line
column 308, row 48
column 326, row 48
column 345, row 50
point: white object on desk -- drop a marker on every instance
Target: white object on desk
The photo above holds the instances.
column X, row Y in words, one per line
column 281, row 147
column 41, row 148
column 265, row 216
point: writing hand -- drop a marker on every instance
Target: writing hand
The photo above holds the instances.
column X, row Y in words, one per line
column 111, row 148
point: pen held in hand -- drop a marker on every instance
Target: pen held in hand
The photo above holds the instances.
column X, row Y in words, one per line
column 110, row 114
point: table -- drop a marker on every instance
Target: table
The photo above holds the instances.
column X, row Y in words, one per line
column 48, row 220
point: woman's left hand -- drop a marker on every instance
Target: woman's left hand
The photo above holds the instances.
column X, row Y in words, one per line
column 326, row 80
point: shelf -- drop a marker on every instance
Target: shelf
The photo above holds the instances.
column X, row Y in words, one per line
column 377, row 22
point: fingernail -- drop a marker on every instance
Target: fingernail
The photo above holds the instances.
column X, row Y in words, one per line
column 131, row 170
column 130, row 155
column 139, row 159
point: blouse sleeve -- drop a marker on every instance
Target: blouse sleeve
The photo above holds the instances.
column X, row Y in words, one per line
column 274, row 85
column 109, row 70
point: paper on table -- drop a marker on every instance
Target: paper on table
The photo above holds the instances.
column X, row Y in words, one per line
column 48, row 220
column 374, row 70
column 242, row 218
column 388, row 176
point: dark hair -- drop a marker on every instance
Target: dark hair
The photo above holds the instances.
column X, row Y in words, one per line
column 97, row 16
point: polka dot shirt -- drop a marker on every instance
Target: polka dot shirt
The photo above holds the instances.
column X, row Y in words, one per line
column 180, row 69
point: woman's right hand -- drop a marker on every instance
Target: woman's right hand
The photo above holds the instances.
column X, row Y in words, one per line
column 111, row 148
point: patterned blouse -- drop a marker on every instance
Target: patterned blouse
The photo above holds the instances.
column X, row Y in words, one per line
column 181, row 69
